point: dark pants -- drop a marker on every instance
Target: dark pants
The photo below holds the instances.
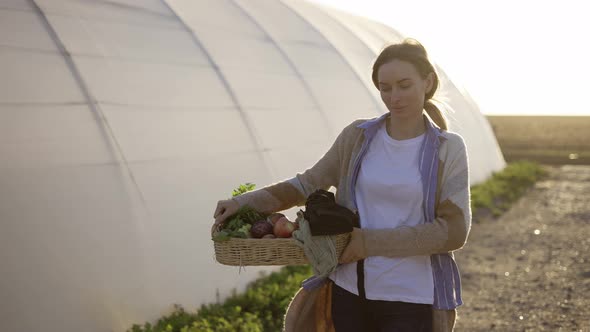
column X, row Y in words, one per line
column 349, row 314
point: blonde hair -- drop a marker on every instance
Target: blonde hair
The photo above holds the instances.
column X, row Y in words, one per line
column 410, row 50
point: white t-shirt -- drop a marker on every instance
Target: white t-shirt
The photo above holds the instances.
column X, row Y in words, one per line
column 388, row 195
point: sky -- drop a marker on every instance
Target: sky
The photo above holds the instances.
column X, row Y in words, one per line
column 514, row 57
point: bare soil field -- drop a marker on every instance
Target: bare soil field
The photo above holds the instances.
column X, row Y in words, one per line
column 529, row 270
column 555, row 140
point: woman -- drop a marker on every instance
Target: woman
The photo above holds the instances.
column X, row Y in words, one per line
column 407, row 177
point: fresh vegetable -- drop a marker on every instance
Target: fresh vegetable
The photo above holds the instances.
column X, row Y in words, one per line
column 239, row 224
column 261, row 228
column 243, row 188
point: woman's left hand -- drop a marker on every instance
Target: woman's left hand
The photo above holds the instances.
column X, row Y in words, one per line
column 355, row 250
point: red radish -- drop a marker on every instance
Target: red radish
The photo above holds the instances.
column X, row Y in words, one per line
column 283, row 228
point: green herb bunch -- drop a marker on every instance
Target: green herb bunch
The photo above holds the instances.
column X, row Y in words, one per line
column 239, row 224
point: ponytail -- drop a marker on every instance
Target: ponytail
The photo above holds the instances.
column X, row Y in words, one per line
column 435, row 113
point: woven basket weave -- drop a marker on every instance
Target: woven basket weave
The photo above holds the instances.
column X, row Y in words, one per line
column 255, row 252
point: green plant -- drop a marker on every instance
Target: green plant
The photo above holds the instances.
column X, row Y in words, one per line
column 243, row 188
column 239, row 224
column 503, row 188
column 259, row 309
column 174, row 322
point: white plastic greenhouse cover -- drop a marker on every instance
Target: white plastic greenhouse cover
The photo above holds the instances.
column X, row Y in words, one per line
column 122, row 122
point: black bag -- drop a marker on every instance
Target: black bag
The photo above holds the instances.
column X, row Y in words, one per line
column 325, row 217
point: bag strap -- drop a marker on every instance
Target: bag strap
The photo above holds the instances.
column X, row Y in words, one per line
column 360, row 281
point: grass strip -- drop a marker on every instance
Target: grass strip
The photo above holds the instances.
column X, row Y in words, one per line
column 502, row 189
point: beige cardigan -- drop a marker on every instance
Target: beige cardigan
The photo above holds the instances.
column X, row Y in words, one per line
column 310, row 310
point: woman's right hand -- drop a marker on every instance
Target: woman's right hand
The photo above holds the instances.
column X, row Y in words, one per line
column 225, row 208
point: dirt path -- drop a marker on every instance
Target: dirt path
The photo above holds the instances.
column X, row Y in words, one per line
column 529, row 270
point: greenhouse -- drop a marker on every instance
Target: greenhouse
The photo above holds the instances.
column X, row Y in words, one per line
column 124, row 122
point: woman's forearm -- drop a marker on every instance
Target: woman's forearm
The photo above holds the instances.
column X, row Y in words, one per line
column 446, row 233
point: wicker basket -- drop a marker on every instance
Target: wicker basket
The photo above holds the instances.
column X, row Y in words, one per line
column 254, row 252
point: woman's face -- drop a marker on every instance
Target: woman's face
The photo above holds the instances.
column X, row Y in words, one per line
column 402, row 88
